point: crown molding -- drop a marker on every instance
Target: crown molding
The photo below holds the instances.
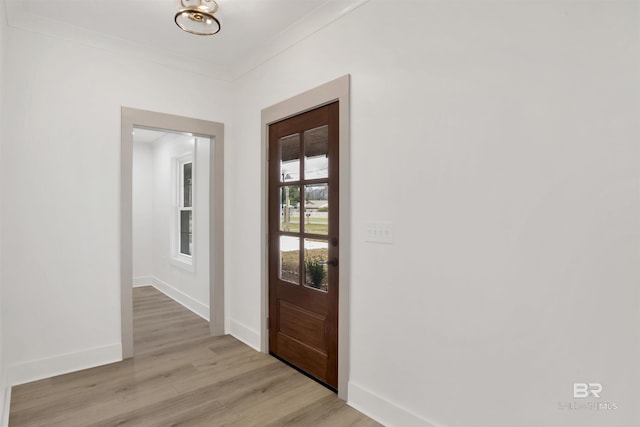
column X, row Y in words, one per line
column 18, row 17
column 310, row 24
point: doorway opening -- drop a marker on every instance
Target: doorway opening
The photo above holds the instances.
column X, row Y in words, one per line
column 192, row 228
column 329, row 93
column 170, row 204
column 304, row 240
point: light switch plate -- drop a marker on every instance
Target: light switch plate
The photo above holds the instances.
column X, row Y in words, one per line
column 380, row 232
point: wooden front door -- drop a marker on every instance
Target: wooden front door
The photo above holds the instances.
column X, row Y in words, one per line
column 303, row 242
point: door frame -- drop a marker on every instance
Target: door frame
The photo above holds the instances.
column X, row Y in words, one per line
column 335, row 90
column 131, row 117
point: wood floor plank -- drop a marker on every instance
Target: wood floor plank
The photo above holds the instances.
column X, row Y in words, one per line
column 181, row 376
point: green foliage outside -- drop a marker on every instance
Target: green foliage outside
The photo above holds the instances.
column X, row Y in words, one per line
column 315, row 269
column 294, row 196
column 290, row 262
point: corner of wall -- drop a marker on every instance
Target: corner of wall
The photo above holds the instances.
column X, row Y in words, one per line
column 5, row 401
column 5, row 391
column 245, row 334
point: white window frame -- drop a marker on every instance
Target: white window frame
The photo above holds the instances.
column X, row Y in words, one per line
column 178, row 258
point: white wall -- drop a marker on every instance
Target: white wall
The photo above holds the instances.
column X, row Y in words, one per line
column 501, row 139
column 156, row 172
column 3, row 382
column 60, row 246
column 142, row 212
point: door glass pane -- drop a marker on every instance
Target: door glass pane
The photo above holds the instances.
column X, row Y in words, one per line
column 316, row 253
column 290, row 158
column 316, row 209
column 290, row 208
column 316, row 151
column 290, row 259
column 186, row 182
column 186, row 234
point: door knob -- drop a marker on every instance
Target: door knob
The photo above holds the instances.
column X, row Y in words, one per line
column 333, row 262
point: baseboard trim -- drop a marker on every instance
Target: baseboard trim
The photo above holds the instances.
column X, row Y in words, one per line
column 25, row 372
column 6, row 405
column 245, row 334
column 183, row 299
column 142, row 281
column 383, row 410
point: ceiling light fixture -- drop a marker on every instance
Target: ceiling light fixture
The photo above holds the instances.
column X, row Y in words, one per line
column 196, row 17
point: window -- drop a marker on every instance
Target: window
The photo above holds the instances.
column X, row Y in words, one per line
column 185, row 206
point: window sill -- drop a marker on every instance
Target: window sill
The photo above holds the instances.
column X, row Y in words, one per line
column 183, row 263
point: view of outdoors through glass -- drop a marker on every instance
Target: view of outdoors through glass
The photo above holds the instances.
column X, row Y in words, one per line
column 289, row 259
column 304, row 208
column 290, row 158
column 316, row 151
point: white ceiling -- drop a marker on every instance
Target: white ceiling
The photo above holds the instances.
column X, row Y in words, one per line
column 252, row 30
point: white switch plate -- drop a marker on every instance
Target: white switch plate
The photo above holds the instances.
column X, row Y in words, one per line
column 380, row 232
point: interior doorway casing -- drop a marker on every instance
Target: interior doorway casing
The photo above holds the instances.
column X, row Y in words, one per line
column 335, row 90
column 131, row 117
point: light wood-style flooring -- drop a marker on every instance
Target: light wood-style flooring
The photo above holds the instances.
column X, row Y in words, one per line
column 180, row 376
